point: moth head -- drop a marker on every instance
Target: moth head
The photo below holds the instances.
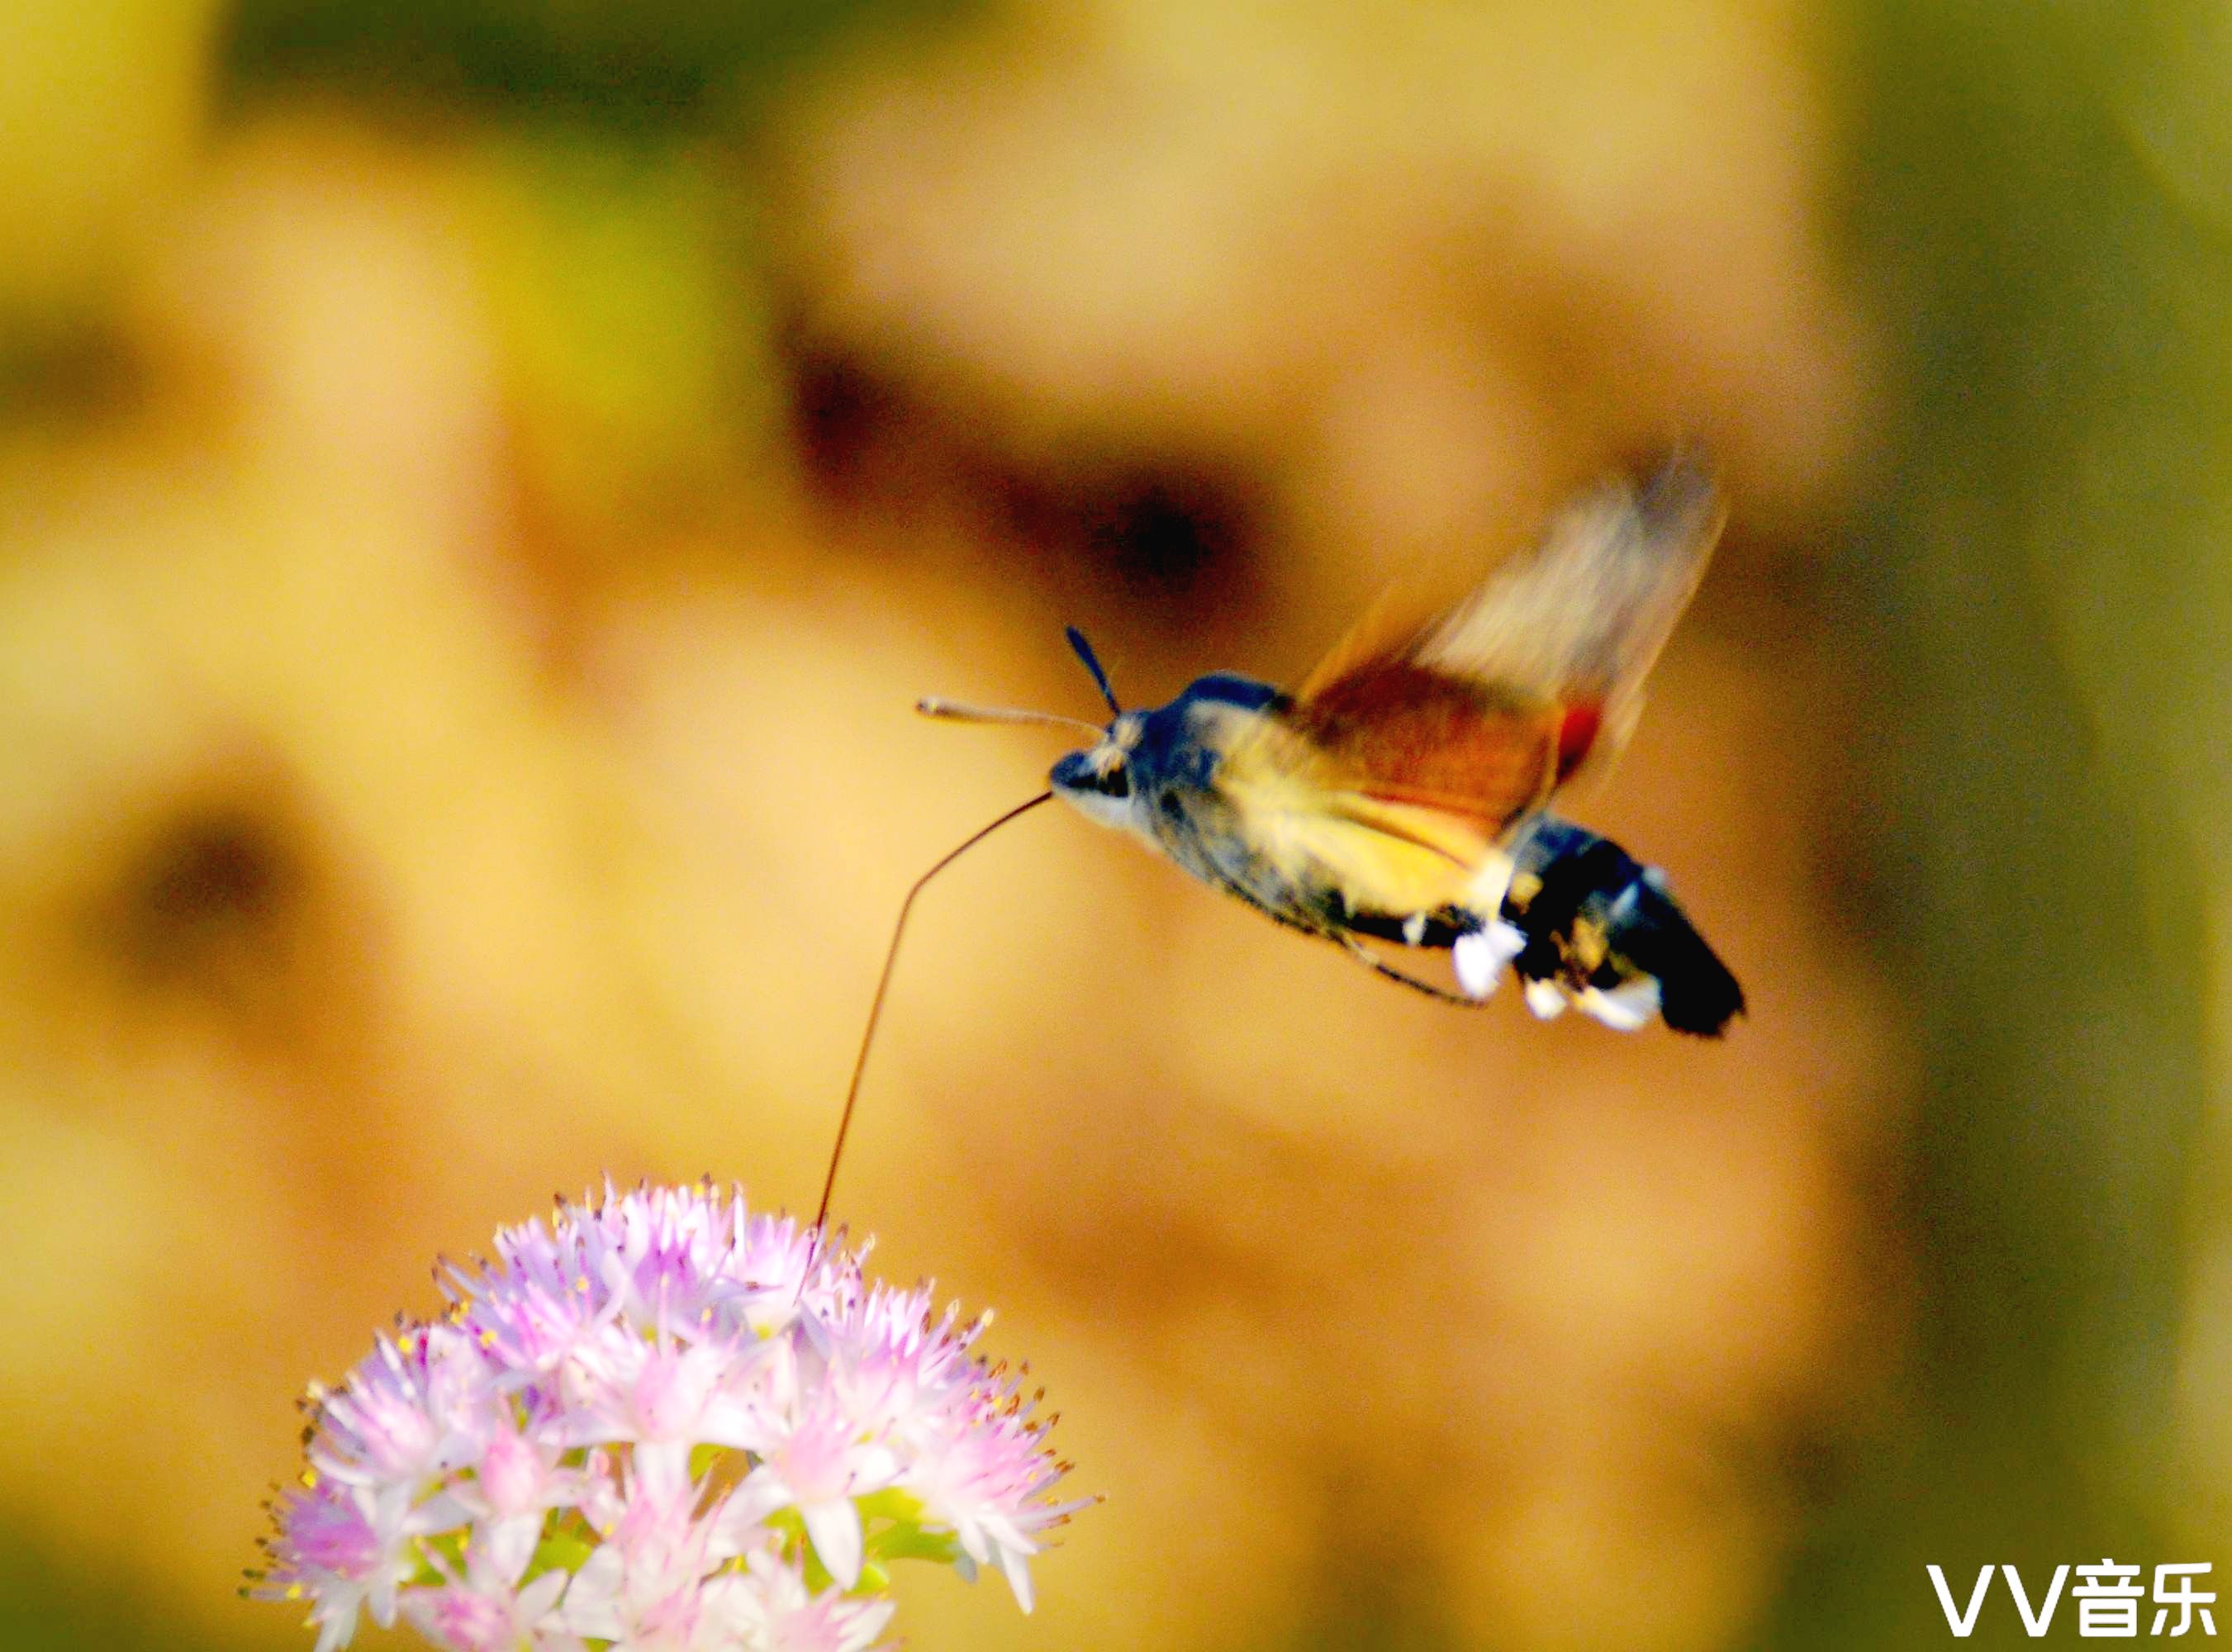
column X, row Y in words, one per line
column 1097, row 782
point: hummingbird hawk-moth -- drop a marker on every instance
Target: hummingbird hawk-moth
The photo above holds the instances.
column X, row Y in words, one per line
column 1401, row 794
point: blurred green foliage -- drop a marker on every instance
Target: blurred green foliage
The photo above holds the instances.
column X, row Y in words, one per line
column 2043, row 581
column 51, row 1602
column 646, row 66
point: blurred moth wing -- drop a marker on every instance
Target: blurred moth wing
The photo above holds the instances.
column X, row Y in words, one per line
column 1578, row 623
column 1407, row 760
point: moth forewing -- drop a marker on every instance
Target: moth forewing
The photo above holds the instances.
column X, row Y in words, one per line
column 1579, row 620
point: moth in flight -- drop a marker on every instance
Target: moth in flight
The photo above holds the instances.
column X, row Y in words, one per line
column 1402, row 793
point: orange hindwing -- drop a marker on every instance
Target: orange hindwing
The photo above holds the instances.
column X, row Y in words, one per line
column 1480, row 716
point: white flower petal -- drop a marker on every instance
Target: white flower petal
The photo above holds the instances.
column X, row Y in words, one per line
column 338, row 1629
column 592, row 1604
column 661, row 1468
column 1019, row 1576
column 536, row 1600
column 970, row 1535
column 443, row 1512
column 732, row 1423
column 379, row 1601
column 507, row 1546
column 835, row 1528
column 867, row 1625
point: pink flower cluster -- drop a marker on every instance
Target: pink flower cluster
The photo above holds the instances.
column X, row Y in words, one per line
column 659, row 1421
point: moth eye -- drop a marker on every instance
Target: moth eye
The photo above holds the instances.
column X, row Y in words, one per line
column 1110, row 778
column 1100, row 771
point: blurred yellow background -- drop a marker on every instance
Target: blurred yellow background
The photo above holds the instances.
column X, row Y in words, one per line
column 482, row 484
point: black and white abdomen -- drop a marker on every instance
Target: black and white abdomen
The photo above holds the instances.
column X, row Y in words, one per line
column 1582, row 922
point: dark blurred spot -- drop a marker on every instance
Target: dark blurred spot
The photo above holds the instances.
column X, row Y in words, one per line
column 1167, row 525
column 838, row 410
column 1157, row 525
column 236, row 906
column 80, row 374
column 218, row 883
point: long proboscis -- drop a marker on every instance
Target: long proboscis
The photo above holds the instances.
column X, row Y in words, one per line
column 883, row 986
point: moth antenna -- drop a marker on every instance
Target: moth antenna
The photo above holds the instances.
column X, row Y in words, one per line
column 1084, row 651
column 954, row 711
column 876, row 1009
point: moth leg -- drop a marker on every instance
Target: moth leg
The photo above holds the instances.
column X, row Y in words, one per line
column 1364, row 956
column 1290, row 919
